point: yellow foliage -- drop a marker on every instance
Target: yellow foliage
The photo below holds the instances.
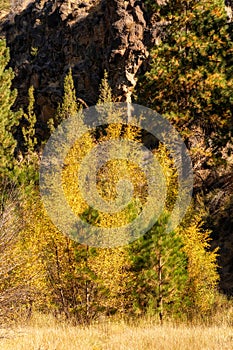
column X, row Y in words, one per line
column 202, row 264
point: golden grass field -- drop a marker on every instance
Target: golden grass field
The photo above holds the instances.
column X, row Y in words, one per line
column 49, row 335
column 4, row 5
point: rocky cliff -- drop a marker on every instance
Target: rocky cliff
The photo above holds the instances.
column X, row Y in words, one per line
column 48, row 37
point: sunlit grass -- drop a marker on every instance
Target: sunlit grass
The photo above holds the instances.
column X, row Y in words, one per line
column 4, row 5
column 47, row 334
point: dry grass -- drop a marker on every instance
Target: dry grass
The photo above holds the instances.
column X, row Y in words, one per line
column 4, row 5
column 48, row 335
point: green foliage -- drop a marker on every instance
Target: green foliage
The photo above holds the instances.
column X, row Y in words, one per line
column 69, row 106
column 105, row 95
column 174, row 273
column 29, row 129
column 8, row 119
column 190, row 82
column 160, row 267
column 28, row 160
column 190, row 75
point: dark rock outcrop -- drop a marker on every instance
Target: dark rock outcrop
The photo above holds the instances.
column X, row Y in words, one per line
column 48, row 37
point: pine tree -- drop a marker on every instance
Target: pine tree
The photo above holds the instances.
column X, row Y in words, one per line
column 174, row 272
column 160, row 268
column 28, row 160
column 105, row 95
column 29, row 129
column 8, row 119
column 69, row 106
column 190, row 75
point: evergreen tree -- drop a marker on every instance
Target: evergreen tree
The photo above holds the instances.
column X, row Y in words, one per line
column 8, row 119
column 190, row 75
column 105, row 95
column 69, row 106
column 29, row 129
column 28, row 160
column 160, row 268
column 174, row 272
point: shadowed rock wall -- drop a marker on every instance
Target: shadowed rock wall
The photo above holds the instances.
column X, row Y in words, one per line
column 48, row 37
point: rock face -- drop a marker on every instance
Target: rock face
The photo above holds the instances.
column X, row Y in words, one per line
column 49, row 37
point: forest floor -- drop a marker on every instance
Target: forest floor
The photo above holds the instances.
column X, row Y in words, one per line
column 116, row 336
